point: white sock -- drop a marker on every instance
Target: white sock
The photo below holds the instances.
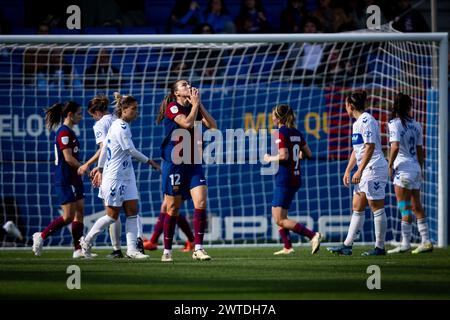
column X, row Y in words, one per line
column 198, row 247
column 380, row 221
column 167, row 251
column 115, row 233
column 356, row 223
column 422, row 225
column 131, row 230
column 140, row 234
column 406, row 234
column 99, row 225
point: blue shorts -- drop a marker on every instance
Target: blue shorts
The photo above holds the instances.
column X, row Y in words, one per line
column 283, row 196
column 179, row 179
column 68, row 193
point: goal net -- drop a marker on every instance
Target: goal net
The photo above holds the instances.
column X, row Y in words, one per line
column 241, row 79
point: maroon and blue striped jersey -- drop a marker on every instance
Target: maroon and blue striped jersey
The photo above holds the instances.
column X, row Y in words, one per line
column 172, row 111
column 288, row 174
column 64, row 173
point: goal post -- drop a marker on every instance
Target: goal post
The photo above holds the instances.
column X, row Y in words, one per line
column 251, row 74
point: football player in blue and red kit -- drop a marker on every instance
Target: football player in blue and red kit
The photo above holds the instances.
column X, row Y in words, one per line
column 292, row 148
column 182, row 172
column 68, row 184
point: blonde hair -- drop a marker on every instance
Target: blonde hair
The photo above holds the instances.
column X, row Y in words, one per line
column 121, row 103
column 285, row 115
column 99, row 103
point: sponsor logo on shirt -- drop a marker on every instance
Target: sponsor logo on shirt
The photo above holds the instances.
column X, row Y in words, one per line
column 357, row 139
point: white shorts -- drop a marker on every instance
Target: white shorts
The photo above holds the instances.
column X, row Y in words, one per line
column 114, row 192
column 411, row 180
column 373, row 184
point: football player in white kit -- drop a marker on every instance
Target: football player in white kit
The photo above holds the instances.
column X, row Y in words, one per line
column 116, row 178
column 405, row 166
column 369, row 180
column 98, row 109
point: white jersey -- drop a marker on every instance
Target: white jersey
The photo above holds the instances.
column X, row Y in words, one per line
column 118, row 163
column 366, row 130
column 409, row 137
column 101, row 127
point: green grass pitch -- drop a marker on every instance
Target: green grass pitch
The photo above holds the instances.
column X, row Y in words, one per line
column 234, row 273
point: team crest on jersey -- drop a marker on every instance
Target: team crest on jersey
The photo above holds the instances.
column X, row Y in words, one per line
column 65, row 140
column 174, row 109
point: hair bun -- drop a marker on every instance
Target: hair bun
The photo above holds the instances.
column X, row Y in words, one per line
column 117, row 95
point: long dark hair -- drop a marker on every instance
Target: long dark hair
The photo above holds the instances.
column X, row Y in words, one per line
column 401, row 108
column 55, row 114
column 357, row 99
column 99, row 103
column 170, row 97
column 122, row 103
column 285, row 115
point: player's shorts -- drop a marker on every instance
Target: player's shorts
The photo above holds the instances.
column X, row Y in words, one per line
column 179, row 179
column 373, row 183
column 408, row 180
column 283, row 196
column 114, row 192
column 68, row 193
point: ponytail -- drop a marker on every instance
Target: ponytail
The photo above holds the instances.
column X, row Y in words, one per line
column 401, row 108
column 55, row 114
column 165, row 102
column 122, row 103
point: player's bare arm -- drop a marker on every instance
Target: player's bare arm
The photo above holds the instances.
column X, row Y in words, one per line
column 368, row 152
column 395, row 148
column 85, row 167
column 188, row 122
column 208, row 120
column 283, row 154
column 348, row 170
column 70, row 159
